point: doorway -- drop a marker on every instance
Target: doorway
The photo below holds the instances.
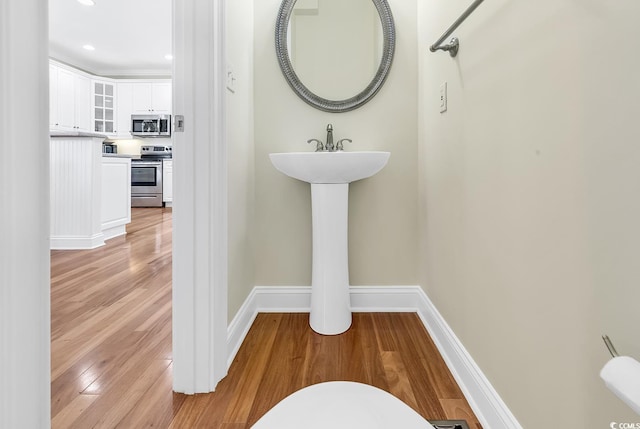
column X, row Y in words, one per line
column 110, row 306
column 199, row 210
column 199, row 284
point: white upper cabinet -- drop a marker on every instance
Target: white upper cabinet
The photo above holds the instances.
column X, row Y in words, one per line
column 104, row 105
column 124, row 108
column 70, row 100
column 53, row 96
column 140, row 97
column 152, row 98
column 82, row 93
column 66, row 100
column 79, row 101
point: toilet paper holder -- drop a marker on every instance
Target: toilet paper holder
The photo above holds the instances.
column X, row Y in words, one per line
column 621, row 375
column 609, row 344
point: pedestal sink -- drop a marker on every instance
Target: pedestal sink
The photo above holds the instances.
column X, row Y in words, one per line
column 329, row 174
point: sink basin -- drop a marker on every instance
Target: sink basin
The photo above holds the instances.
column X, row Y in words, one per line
column 330, row 167
column 329, row 174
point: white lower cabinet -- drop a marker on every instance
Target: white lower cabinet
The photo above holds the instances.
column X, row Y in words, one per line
column 75, row 188
column 116, row 196
column 90, row 194
column 167, row 182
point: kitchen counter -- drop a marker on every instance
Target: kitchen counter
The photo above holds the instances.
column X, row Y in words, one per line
column 119, row 155
column 60, row 133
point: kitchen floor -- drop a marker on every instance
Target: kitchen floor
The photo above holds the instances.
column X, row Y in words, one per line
column 111, row 347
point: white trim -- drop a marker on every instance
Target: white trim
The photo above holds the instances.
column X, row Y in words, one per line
column 483, row 399
column 265, row 299
column 25, row 344
column 282, row 299
column 200, row 212
column 114, row 231
column 374, row 299
column 74, row 243
column 240, row 325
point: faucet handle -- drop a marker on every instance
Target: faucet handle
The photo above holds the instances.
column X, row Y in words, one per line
column 339, row 144
column 319, row 147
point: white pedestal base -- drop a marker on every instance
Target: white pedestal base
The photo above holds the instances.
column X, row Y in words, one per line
column 330, row 305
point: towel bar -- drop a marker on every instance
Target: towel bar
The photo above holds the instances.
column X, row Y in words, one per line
column 454, row 43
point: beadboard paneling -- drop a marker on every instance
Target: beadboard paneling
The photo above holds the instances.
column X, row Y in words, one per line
column 76, row 178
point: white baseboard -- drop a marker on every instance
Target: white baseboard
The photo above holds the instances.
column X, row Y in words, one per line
column 73, row 243
column 483, row 399
column 265, row 299
column 110, row 232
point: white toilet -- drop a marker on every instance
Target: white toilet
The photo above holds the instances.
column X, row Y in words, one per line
column 341, row 404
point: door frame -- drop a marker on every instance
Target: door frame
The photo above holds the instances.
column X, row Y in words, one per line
column 200, row 198
column 25, row 369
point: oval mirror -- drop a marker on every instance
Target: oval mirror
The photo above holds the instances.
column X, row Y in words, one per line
column 335, row 54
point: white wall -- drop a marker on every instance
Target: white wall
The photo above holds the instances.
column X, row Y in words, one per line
column 240, row 151
column 383, row 209
column 529, row 197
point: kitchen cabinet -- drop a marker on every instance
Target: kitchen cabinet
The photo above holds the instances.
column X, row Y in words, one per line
column 116, row 196
column 152, row 97
column 53, row 96
column 124, row 108
column 167, row 182
column 75, row 188
column 79, row 101
column 70, row 100
column 104, row 107
column 90, row 194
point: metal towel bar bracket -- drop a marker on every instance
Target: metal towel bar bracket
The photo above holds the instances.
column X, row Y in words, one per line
column 454, row 44
column 609, row 344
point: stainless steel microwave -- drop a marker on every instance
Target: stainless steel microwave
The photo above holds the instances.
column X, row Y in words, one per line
column 151, row 125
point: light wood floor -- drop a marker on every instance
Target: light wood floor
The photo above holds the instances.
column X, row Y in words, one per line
column 111, row 348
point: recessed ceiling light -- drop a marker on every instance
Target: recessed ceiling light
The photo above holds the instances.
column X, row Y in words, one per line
column 168, row 57
column 89, row 48
column 87, row 2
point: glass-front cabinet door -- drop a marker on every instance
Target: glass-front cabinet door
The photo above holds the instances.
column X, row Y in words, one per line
column 103, row 107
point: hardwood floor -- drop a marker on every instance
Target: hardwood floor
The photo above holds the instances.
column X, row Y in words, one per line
column 111, row 329
column 111, row 348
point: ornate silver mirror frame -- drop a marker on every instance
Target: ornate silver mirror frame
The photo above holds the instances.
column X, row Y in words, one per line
column 336, row 106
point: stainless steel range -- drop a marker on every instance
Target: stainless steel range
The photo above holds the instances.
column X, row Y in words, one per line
column 146, row 176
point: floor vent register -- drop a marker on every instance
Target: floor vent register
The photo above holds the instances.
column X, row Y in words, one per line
column 449, row 424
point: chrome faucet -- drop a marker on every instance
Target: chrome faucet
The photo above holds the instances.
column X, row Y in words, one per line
column 339, row 146
column 329, row 145
column 319, row 147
